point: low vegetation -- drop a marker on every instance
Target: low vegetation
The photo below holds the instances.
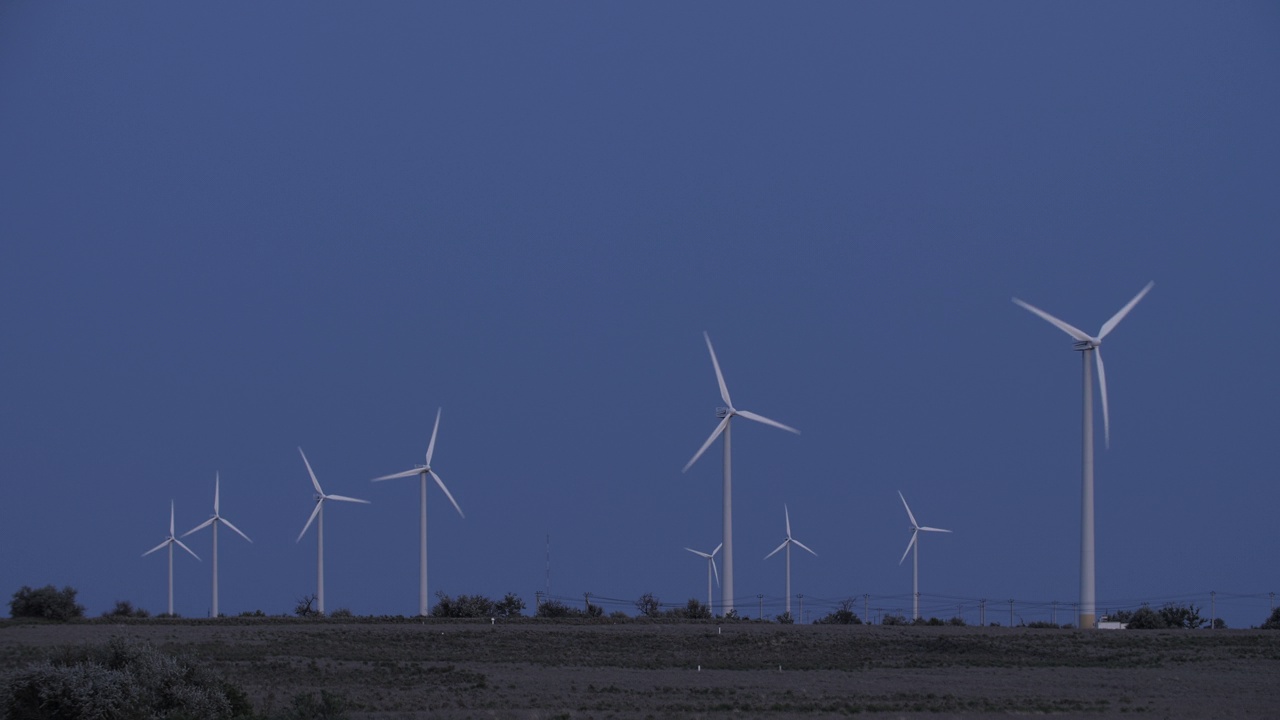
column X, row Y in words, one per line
column 46, row 603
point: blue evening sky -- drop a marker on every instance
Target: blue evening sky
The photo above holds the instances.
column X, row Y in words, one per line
column 227, row 230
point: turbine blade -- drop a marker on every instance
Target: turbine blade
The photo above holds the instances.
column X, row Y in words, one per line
column 806, row 547
column 184, row 547
column 170, row 518
column 233, row 527
column 715, row 434
column 762, row 419
column 217, row 481
column 393, row 476
column 431, row 446
column 201, row 526
column 1102, row 388
column 775, row 550
column 913, row 542
column 314, row 481
column 699, row 553
column 447, row 493
column 787, row 514
column 914, row 524
column 932, row 529
column 714, row 571
column 713, row 552
column 1111, row 324
column 724, row 389
column 1071, row 330
column 311, row 519
column 344, row 498
column 166, row 542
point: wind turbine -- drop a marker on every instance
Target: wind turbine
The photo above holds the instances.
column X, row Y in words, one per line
column 916, row 529
column 171, row 541
column 711, row 569
column 787, row 544
column 213, row 522
column 423, row 471
column 1087, row 344
column 726, row 414
column 320, row 497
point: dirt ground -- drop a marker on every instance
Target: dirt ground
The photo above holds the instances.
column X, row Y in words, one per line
column 544, row 669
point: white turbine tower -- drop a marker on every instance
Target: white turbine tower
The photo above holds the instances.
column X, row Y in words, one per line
column 727, row 413
column 711, row 569
column 1087, row 344
column 787, row 543
column 170, row 542
column 916, row 529
column 320, row 497
column 422, row 472
column 213, row 522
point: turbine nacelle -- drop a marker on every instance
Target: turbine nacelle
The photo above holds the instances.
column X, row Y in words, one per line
column 1089, row 344
column 723, row 412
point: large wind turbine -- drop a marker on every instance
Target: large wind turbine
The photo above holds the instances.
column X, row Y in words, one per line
column 213, row 522
column 787, row 544
column 171, row 541
column 916, row 529
column 727, row 413
column 319, row 511
column 1087, row 344
column 711, row 569
column 423, row 471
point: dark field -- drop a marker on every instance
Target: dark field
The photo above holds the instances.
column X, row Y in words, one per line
column 545, row 669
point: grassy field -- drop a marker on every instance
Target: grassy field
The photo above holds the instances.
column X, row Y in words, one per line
column 635, row 669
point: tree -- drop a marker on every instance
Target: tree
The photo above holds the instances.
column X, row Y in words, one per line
column 306, row 606
column 1219, row 624
column 511, row 606
column 465, row 606
column 125, row 609
column 649, row 606
column 894, row 620
column 694, row 610
column 786, row 619
column 843, row 616
column 47, row 602
column 1144, row 618
column 1273, row 622
column 1182, row 616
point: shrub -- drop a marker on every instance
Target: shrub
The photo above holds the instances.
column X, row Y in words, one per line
column 649, row 606
column 693, row 610
column 121, row 680
column 1181, row 616
column 306, row 606
column 844, row 616
column 125, row 609
column 786, row 619
column 511, row 606
column 329, row 706
column 342, row 613
column 464, row 606
column 957, row 621
column 1273, row 622
column 1043, row 624
column 894, row 620
column 253, row 613
column 557, row 609
column 1145, row 618
column 47, row 602
column 1219, row 624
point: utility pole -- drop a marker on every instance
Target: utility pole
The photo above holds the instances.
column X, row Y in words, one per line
column 586, row 596
column 800, row 597
column 866, row 600
column 1055, row 612
column 982, row 612
column 1212, row 607
column 1010, row 612
column 1273, row 602
column 760, row 606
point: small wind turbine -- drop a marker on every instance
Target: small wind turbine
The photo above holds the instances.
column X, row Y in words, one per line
column 1087, row 344
column 171, row 541
column 320, row 497
column 422, row 471
column 711, row 569
column 726, row 414
column 916, row 529
column 213, row 522
column 787, row 543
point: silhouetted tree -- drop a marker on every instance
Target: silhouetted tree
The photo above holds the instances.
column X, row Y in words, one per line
column 47, row 602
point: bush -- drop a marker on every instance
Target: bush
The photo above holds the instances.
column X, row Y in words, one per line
column 894, row 620
column 1043, row 625
column 649, row 606
column 342, row 613
column 1181, row 616
column 844, row 616
column 786, row 619
column 511, row 606
column 329, row 706
column 693, row 610
column 957, row 621
column 1273, row 622
column 1145, row 618
column 121, row 680
column 47, row 602
column 125, row 609
column 464, row 606
column 306, row 606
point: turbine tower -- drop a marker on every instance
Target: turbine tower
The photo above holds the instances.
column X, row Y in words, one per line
column 916, row 529
column 213, row 522
column 711, row 569
column 319, row 511
column 422, row 472
column 787, row 544
column 171, row 541
column 1086, row 345
column 726, row 414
